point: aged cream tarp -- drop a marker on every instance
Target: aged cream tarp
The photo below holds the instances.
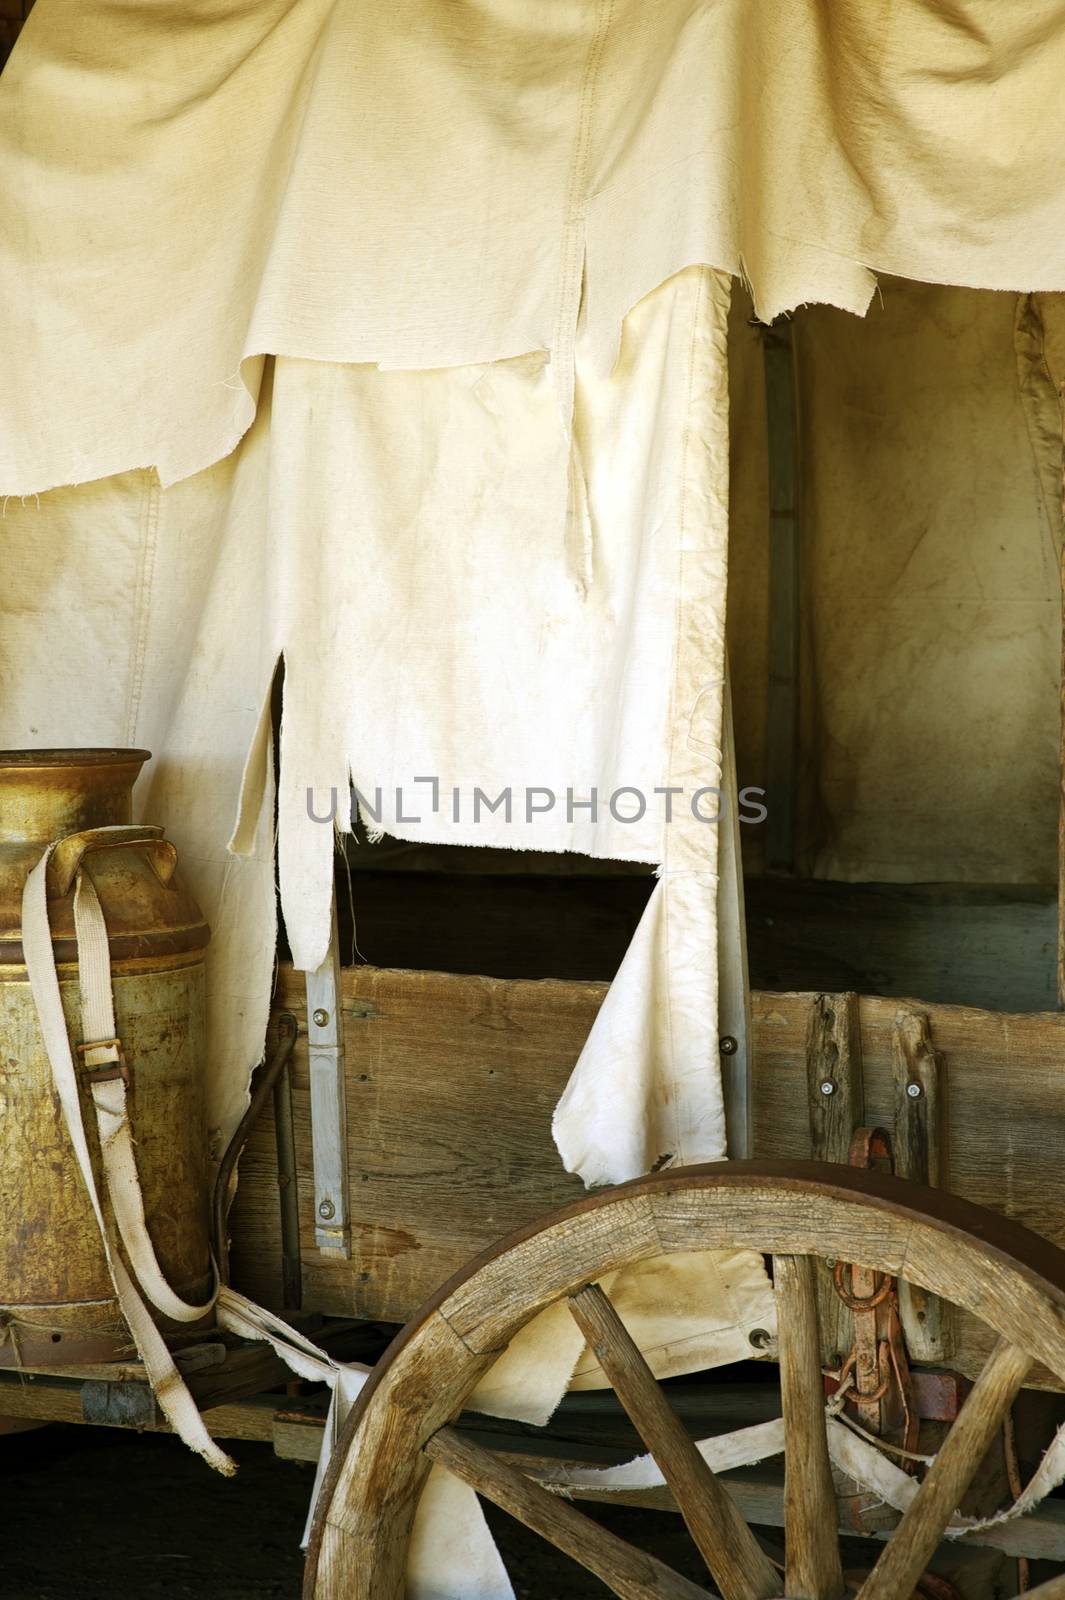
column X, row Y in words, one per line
column 190, row 190
column 402, row 606
column 189, row 186
column 383, row 338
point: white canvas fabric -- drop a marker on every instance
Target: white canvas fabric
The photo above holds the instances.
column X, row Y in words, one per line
column 402, row 540
column 251, row 560
column 173, row 217
column 188, row 188
column 391, row 339
column 401, row 603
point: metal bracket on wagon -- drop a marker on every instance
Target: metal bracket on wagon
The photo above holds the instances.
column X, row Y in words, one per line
column 329, row 1142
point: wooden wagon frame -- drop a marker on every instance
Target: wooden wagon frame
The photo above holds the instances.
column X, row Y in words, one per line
column 366, row 1184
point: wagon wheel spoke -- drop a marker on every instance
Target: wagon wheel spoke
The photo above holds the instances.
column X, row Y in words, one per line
column 1053, row 1589
column 737, row 1564
column 924, row 1522
column 811, row 1542
column 984, row 1264
column 630, row 1573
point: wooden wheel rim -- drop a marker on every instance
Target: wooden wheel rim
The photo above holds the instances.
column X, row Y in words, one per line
column 1010, row 1278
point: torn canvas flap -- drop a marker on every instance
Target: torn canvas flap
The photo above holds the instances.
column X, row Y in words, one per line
column 467, row 647
column 399, row 540
column 452, row 1551
column 513, row 157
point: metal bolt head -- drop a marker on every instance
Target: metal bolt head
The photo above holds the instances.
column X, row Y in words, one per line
column 327, row 1210
column 728, row 1045
column 827, row 1086
column 914, row 1091
column 320, row 1018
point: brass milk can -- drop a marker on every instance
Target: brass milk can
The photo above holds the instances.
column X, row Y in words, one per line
column 57, row 1303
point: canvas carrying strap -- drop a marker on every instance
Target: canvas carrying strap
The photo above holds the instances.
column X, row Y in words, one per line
column 105, row 1070
column 107, row 1077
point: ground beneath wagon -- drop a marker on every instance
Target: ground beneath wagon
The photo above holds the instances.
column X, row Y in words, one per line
column 89, row 1514
column 95, row 1514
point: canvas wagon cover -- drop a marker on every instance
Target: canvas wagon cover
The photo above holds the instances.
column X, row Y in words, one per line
column 390, row 339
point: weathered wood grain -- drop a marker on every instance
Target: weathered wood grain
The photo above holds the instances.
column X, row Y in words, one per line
column 918, row 1071
column 834, row 1084
column 1005, row 1113
column 1015, row 1280
column 44, row 1400
column 737, row 1563
column 813, row 1568
column 630, row 1573
column 358, row 1543
column 452, row 1082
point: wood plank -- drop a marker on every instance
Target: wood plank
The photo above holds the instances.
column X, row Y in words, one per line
column 451, row 1082
column 918, row 1070
column 923, row 1523
column 736, row 1561
column 813, row 1571
column 759, row 1496
column 1007, row 1101
column 630, row 1573
column 41, row 1400
column 451, row 1086
column 834, row 1084
column 757, row 1492
column 980, row 1261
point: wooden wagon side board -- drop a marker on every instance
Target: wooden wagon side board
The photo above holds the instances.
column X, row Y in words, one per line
column 451, row 1082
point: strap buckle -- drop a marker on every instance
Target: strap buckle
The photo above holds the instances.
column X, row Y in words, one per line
column 108, row 1071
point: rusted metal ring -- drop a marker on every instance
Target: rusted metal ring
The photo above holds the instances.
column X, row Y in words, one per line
column 854, row 1395
column 860, row 1302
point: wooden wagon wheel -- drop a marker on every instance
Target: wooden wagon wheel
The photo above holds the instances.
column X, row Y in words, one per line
column 1010, row 1278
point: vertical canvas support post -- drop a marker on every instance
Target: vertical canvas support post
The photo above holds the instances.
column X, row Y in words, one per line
column 782, row 423
column 734, row 993
column 325, row 1037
